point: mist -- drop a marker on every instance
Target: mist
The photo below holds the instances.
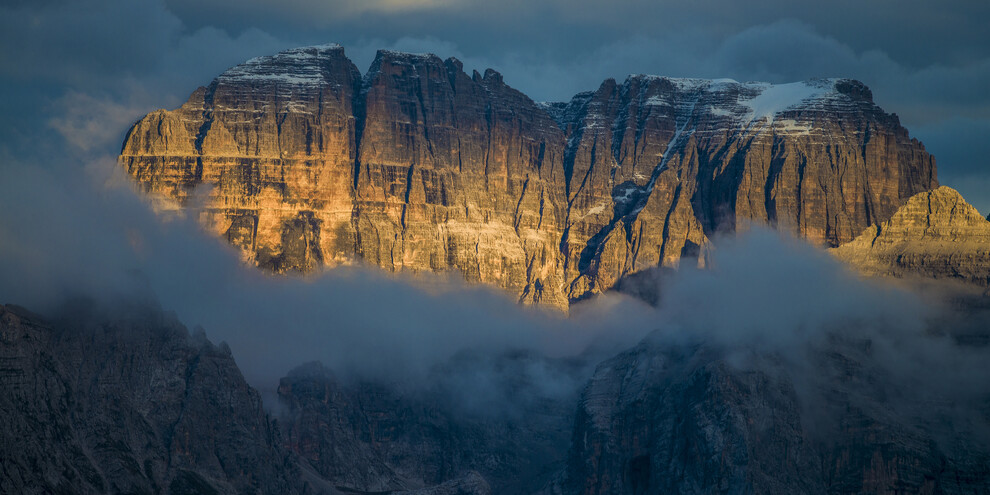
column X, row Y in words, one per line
column 84, row 230
column 87, row 232
column 913, row 353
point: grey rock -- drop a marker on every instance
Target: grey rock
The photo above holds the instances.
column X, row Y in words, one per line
column 129, row 405
column 665, row 418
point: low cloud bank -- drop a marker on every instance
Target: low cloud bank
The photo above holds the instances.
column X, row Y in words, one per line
column 68, row 240
column 767, row 301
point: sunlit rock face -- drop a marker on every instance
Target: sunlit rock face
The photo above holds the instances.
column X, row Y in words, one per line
column 418, row 166
column 657, row 165
column 274, row 139
column 936, row 234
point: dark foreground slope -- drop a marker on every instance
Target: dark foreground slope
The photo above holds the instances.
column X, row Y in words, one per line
column 129, row 404
column 688, row 419
column 132, row 403
column 419, row 166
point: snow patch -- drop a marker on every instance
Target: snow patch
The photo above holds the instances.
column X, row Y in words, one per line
column 656, row 100
column 599, row 208
column 295, row 67
column 791, row 126
column 775, row 98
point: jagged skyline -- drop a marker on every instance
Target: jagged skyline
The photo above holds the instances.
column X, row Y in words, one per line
column 64, row 63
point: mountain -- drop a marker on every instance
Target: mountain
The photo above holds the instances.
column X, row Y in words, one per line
column 664, row 418
column 936, row 234
column 301, row 162
column 129, row 404
column 126, row 400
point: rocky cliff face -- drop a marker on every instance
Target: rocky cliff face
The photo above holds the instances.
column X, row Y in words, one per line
column 418, row 166
column 657, row 165
column 936, row 234
column 129, row 405
column 129, row 402
column 685, row 419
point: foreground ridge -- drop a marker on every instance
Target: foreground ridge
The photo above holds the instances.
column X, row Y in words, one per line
column 130, row 402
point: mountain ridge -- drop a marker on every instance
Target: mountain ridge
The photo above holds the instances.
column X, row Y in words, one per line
column 416, row 165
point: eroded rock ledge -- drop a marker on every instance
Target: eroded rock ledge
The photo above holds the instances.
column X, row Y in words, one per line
column 937, row 234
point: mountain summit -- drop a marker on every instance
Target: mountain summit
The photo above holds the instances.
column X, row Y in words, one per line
column 419, row 166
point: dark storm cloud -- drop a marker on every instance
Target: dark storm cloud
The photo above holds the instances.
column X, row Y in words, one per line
column 112, row 59
column 962, row 147
column 929, row 62
column 916, row 30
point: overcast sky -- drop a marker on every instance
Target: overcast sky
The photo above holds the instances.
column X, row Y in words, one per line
column 82, row 71
column 75, row 74
column 79, row 72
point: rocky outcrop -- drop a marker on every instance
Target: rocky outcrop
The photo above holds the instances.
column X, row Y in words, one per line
column 418, row 166
column 275, row 140
column 935, row 235
column 666, row 418
column 130, row 405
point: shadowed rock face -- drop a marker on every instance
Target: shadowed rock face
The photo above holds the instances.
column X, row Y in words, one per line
column 129, row 405
column 418, row 166
column 375, row 437
column 128, row 402
column 684, row 419
column 936, row 235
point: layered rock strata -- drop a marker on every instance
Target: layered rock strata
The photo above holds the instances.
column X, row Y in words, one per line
column 418, row 166
column 936, row 234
